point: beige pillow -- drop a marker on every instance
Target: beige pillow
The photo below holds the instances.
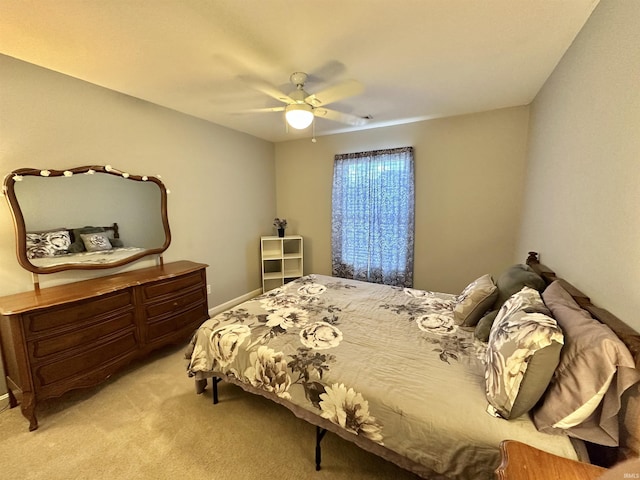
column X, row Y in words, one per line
column 95, row 242
column 584, row 397
column 522, row 354
column 474, row 301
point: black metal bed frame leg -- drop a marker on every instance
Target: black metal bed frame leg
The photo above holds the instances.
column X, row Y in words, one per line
column 319, row 436
column 214, row 384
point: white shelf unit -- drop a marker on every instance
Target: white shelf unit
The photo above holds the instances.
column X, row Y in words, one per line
column 282, row 260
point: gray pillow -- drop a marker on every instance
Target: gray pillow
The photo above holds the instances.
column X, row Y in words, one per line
column 116, row 242
column 513, row 279
column 483, row 328
column 76, row 247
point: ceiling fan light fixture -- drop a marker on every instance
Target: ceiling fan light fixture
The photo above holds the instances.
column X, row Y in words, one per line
column 299, row 115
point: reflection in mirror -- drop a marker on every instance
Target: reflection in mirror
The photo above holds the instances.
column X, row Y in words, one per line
column 86, row 217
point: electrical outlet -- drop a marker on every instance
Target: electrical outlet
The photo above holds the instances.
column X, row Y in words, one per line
column 208, row 289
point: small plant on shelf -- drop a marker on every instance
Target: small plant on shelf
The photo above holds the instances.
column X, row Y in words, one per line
column 280, row 224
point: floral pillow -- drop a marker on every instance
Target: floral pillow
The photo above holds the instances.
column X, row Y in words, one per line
column 48, row 244
column 474, row 301
column 522, row 354
column 95, row 242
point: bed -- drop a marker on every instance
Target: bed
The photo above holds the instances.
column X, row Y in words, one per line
column 81, row 245
column 395, row 371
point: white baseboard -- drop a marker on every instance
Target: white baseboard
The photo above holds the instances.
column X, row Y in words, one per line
column 232, row 303
column 4, row 400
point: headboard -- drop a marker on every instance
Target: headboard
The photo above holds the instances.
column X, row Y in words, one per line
column 630, row 410
column 113, row 228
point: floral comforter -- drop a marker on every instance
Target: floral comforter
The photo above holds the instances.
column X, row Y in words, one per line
column 386, row 367
column 101, row 256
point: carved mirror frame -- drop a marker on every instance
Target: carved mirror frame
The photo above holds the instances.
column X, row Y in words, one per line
column 21, row 231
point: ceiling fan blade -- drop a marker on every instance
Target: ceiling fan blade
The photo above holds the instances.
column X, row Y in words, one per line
column 267, row 89
column 261, row 110
column 339, row 116
column 335, row 93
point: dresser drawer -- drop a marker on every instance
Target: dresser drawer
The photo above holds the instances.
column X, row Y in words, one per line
column 188, row 320
column 72, row 368
column 41, row 348
column 76, row 315
column 172, row 286
column 182, row 300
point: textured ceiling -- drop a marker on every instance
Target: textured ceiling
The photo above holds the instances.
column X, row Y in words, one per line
column 417, row 59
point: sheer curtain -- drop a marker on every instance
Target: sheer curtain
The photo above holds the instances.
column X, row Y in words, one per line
column 373, row 216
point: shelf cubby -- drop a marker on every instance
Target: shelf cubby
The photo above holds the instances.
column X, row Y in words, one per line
column 282, row 260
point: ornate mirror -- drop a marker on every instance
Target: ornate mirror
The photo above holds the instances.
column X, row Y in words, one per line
column 86, row 218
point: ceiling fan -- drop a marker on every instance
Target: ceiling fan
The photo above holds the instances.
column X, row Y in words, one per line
column 301, row 107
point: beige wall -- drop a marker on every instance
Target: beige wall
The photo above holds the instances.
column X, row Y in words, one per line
column 583, row 184
column 222, row 182
column 469, row 178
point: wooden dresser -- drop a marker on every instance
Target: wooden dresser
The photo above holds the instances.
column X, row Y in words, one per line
column 77, row 335
column 524, row 462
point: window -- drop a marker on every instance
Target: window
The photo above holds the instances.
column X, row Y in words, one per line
column 373, row 216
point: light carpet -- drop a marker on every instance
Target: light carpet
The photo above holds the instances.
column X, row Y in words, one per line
column 148, row 423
